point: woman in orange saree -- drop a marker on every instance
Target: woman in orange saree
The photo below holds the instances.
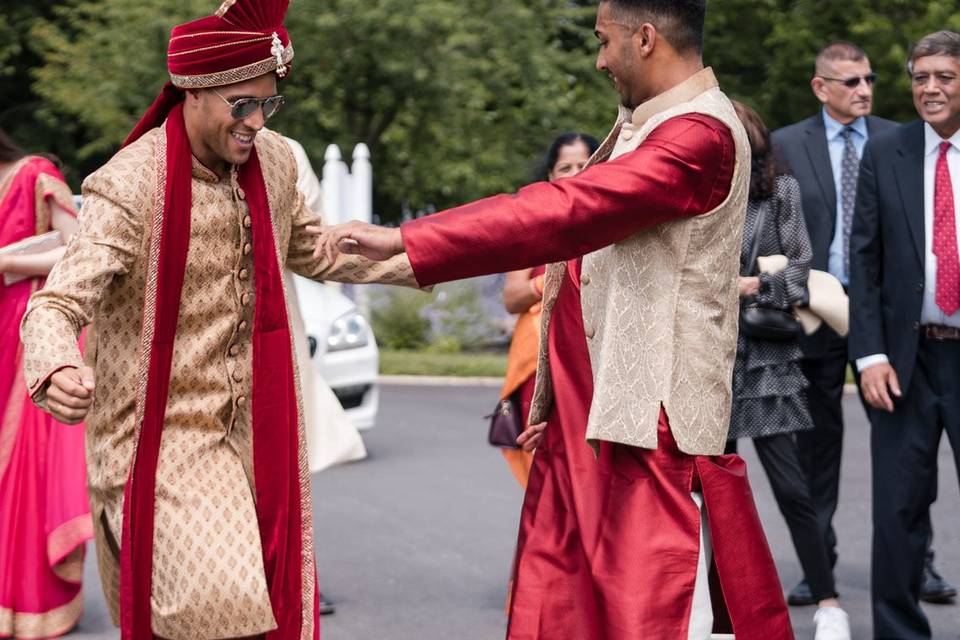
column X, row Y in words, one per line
column 44, row 512
column 522, row 291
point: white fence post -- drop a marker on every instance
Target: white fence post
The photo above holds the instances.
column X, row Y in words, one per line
column 332, row 188
column 348, row 195
column 361, row 185
column 361, row 207
column 332, row 184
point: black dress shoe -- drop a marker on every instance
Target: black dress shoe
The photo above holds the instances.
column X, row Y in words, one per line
column 934, row 588
column 326, row 606
column 801, row 596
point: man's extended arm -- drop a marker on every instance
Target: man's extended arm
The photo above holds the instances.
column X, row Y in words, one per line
column 108, row 241
column 345, row 268
column 683, row 168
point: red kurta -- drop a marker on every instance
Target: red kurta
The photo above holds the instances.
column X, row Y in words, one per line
column 583, row 573
column 608, row 545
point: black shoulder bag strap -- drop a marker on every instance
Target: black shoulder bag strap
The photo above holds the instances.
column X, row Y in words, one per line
column 757, row 234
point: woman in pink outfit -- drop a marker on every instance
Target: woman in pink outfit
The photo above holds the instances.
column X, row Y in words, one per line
column 44, row 512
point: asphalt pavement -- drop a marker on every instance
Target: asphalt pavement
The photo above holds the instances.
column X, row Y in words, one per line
column 415, row 542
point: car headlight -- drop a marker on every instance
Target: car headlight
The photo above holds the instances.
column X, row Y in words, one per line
column 349, row 331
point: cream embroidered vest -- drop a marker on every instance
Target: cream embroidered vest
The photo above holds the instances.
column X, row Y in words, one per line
column 660, row 308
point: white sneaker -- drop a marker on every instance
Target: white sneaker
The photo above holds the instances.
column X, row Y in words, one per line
column 833, row 623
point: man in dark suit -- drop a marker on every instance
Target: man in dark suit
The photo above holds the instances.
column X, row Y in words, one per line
column 905, row 324
column 823, row 153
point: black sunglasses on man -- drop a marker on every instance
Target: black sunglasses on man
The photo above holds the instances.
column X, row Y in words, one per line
column 854, row 82
column 243, row 108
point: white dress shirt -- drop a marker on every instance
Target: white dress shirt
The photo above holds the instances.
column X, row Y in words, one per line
column 930, row 313
column 307, row 181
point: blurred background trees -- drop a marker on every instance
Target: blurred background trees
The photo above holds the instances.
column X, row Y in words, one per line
column 455, row 98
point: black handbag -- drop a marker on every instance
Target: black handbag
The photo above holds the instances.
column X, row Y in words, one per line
column 766, row 323
column 506, row 423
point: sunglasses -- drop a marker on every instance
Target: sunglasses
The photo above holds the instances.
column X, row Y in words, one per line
column 243, row 108
column 853, row 83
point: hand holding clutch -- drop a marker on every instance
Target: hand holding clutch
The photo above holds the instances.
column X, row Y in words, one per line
column 357, row 238
column 531, row 436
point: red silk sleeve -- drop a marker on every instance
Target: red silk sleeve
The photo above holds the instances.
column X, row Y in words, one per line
column 683, row 168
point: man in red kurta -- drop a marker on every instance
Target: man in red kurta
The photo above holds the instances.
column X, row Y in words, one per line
column 639, row 328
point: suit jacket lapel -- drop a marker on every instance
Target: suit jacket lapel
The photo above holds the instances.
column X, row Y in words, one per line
column 909, row 176
column 872, row 126
column 816, row 146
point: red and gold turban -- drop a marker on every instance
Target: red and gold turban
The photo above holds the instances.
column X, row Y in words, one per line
column 244, row 39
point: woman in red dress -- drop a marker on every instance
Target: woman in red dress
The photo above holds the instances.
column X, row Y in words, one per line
column 44, row 512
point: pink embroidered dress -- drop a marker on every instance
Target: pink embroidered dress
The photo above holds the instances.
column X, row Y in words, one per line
column 44, row 512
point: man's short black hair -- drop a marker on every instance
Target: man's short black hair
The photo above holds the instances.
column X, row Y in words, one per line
column 837, row 51
column 679, row 21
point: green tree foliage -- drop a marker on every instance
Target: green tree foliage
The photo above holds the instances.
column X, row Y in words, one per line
column 23, row 113
column 764, row 50
column 399, row 319
column 456, row 99
column 104, row 65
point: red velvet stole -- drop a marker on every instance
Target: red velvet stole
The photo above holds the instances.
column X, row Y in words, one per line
column 162, row 105
column 275, row 433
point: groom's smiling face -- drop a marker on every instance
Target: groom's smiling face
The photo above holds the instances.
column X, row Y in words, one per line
column 216, row 137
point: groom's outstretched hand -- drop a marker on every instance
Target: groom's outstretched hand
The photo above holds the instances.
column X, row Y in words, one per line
column 358, row 238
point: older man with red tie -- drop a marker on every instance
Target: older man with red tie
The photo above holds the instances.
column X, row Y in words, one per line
column 905, row 324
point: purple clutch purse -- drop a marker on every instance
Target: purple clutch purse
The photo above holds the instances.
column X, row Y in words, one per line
column 506, row 423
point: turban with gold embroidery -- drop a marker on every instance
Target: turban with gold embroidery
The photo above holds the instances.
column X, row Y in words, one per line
column 242, row 40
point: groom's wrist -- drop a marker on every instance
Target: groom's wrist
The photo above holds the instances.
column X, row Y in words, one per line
column 397, row 241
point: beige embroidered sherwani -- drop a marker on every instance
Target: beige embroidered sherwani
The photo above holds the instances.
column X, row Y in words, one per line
column 660, row 308
column 208, row 577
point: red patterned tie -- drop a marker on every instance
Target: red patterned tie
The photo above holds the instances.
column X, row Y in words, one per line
column 945, row 237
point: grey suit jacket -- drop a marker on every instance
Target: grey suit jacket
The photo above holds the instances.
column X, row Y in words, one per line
column 802, row 148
